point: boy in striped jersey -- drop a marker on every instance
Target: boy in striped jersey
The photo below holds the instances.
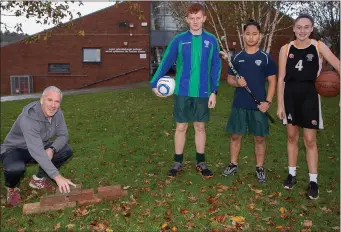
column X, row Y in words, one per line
column 198, row 67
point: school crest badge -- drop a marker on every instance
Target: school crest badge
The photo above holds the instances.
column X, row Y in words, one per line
column 258, row 62
column 207, row 43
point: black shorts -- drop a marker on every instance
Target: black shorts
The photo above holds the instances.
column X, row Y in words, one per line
column 302, row 105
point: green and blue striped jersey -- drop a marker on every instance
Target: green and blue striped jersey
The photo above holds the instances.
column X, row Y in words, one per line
column 198, row 65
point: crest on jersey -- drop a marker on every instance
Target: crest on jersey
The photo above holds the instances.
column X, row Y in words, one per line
column 258, row 62
column 310, row 57
column 291, row 56
column 206, row 42
column 314, row 122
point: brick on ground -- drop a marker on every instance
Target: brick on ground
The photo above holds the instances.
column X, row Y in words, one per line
column 111, row 192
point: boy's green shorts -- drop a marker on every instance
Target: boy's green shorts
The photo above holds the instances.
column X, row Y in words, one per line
column 253, row 121
column 191, row 109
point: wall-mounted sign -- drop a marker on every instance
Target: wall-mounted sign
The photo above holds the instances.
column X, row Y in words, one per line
column 124, row 50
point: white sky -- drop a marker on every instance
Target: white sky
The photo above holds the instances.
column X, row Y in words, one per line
column 29, row 26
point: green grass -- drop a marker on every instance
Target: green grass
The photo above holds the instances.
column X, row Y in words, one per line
column 126, row 137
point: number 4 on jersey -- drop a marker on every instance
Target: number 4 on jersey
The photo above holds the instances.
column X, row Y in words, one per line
column 299, row 65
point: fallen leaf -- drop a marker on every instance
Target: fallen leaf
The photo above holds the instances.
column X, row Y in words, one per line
column 184, row 211
column 20, row 230
column 219, row 218
column 166, row 133
column 81, row 212
column 282, row 210
column 193, row 199
column 164, row 226
column 282, row 228
column 257, row 191
column 57, row 227
column 126, row 187
column 174, row 228
column 190, row 225
column 99, row 227
column 275, row 194
column 69, row 226
column 212, row 210
column 325, row 210
column 307, row 223
column 306, row 230
column 223, row 187
column 251, row 206
column 238, row 220
column 336, row 228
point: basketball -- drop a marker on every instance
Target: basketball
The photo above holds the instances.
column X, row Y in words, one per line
column 166, row 86
column 328, row 84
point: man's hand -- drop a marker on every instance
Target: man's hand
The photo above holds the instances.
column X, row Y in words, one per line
column 63, row 184
column 49, row 152
column 241, row 82
column 264, row 106
column 156, row 92
column 212, row 101
column 223, row 55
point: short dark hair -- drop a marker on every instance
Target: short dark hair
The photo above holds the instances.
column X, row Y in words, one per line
column 195, row 8
column 251, row 22
column 305, row 16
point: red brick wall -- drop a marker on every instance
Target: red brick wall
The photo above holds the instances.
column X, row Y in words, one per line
column 64, row 45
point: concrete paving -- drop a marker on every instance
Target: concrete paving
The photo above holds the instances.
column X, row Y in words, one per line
column 79, row 91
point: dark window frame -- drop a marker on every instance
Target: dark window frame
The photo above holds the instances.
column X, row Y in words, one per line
column 49, row 69
column 92, row 48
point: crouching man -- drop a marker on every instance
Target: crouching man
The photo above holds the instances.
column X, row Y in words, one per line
column 29, row 141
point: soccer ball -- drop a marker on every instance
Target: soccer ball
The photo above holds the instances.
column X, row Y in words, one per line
column 166, row 86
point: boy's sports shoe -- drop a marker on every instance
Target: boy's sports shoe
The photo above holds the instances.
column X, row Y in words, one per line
column 41, row 183
column 313, row 190
column 203, row 169
column 175, row 170
column 13, row 197
column 260, row 172
column 289, row 182
column 230, row 170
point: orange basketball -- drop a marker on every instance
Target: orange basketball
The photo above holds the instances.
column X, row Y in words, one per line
column 328, row 84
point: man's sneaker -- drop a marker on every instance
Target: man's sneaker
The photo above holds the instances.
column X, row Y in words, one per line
column 13, row 197
column 289, row 182
column 260, row 172
column 41, row 183
column 230, row 170
column 203, row 169
column 175, row 170
column 313, row 190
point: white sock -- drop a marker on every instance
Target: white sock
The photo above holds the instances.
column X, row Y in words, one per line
column 37, row 178
column 292, row 171
column 313, row 177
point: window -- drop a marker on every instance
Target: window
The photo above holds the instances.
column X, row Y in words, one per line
column 92, row 55
column 122, row 24
column 59, row 68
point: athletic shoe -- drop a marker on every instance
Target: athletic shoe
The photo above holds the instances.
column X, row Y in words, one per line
column 203, row 169
column 260, row 172
column 13, row 197
column 289, row 182
column 313, row 190
column 230, row 170
column 175, row 170
column 41, row 183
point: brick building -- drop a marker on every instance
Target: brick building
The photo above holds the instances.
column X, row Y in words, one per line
column 112, row 44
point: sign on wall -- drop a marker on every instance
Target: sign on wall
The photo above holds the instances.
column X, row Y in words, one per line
column 125, row 50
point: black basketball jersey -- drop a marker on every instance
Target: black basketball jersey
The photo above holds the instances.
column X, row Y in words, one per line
column 303, row 64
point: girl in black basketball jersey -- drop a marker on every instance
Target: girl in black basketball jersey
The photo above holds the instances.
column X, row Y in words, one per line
column 300, row 62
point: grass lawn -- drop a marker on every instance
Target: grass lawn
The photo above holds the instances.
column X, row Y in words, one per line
column 126, row 137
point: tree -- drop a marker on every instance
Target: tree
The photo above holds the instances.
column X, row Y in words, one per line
column 228, row 18
column 45, row 12
column 326, row 15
